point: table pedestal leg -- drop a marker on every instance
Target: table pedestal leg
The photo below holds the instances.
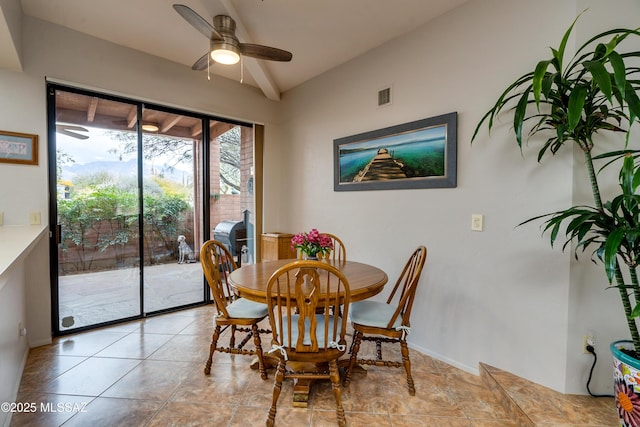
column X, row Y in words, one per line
column 301, row 388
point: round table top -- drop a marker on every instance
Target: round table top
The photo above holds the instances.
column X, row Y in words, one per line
column 250, row 280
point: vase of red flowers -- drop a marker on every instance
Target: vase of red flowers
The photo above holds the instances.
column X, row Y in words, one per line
column 312, row 244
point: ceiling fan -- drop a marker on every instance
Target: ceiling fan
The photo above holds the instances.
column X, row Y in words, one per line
column 71, row 130
column 225, row 47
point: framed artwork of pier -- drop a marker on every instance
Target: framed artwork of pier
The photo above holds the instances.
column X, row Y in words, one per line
column 419, row 154
column 19, row 148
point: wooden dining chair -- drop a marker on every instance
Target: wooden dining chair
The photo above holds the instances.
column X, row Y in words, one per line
column 387, row 322
column 299, row 296
column 239, row 314
column 339, row 252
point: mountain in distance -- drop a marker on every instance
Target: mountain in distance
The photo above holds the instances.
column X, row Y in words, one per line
column 124, row 169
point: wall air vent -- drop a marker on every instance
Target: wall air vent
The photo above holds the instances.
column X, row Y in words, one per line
column 384, row 97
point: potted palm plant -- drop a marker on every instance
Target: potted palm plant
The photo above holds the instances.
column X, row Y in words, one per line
column 595, row 91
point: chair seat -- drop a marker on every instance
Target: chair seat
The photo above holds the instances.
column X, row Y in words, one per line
column 373, row 313
column 247, row 309
column 307, row 341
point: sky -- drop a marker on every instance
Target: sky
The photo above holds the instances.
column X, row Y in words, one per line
column 97, row 149
column 436, row 132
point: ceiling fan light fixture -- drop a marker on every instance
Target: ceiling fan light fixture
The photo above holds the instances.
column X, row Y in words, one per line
column 150, row 127
column 225, row 53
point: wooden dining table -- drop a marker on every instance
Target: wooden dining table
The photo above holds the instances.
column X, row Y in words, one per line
column 250, row 281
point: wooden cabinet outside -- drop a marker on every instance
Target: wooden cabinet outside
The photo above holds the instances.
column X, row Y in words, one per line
column 276, row 246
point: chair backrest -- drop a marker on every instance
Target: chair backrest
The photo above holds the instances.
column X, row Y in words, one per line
column 303, row 299
column 217, row 264
column 404, row 291
column 339, row 252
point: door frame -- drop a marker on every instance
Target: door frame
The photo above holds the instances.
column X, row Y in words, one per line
column 54, row 234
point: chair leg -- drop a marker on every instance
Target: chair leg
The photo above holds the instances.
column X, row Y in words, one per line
column 334, row 375
column 277, row 387
column 353, row 341
column 355, row 347
column 258, row 344
column 212, row 349
column 232, row 340
column 407, row 366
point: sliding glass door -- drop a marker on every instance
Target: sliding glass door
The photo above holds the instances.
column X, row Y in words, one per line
column 98, row 211
column 172, row 222
column 136, row 189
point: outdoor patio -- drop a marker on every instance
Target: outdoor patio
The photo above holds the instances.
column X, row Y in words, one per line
column 92, row 298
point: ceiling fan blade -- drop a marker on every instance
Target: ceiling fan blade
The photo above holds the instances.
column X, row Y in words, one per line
column 202, row 63
column 198, row 22
column 265, row 52
column 71, row 134
column 71, row 127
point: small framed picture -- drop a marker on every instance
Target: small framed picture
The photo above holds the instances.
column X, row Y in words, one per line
column 19, row 148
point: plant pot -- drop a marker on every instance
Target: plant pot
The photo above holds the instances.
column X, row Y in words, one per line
column 626, row 376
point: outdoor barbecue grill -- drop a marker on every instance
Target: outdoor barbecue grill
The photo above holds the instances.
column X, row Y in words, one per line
column 232, row 234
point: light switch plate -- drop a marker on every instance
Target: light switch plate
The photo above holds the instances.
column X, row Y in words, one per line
column 34, row 218
column 477, row 221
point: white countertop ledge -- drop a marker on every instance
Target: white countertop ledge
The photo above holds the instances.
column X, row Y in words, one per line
column 15, row 243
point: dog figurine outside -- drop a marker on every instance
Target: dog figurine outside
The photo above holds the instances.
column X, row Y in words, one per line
column 185, row 253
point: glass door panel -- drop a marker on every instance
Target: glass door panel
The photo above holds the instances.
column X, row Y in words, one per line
column 232, row 201
column 172, row 234
column 97, row 207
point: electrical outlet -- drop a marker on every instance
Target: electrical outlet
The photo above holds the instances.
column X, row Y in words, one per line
column 586, row 341
column 584, row 344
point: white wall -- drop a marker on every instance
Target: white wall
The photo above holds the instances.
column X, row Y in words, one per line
column 501, row 296
column 13, row 348
column 11, row 35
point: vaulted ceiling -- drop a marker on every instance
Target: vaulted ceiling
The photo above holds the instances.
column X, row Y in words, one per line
column 321, row 34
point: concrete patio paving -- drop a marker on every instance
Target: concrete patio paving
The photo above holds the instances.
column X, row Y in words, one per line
column 92, row 298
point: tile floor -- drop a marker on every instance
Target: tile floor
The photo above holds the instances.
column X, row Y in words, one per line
column 149, row 373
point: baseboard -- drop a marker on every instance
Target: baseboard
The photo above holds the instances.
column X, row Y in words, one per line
column 40, row 342
column 16, row 386
column 444, row 359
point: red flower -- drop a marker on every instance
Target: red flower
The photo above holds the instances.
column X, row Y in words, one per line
column 312, row 243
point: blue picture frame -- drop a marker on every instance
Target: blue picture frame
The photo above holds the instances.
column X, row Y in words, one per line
column 418, row 154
